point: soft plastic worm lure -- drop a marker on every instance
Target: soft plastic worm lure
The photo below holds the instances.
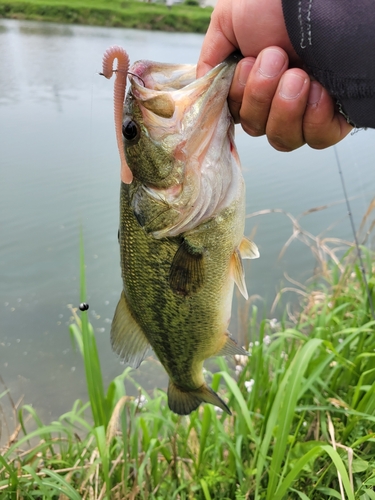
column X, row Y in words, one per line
column 121, row 71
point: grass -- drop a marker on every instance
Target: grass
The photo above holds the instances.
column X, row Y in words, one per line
column 119, row 13
column 303, row 423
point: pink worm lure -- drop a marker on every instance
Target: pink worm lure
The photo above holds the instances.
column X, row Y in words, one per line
column 121, row 71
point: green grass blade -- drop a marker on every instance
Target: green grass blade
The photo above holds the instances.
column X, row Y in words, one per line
column 330, row 492
column 291, row 395
column 38, row 481
column 339, row 464
column 93, row 370
column 282, row 413
column 233, row 387
column 206, row 422
column 205, row 489
column 302, row 495
column 63, row 486
column 336, row 459
column 42, row 433
column 104, row 455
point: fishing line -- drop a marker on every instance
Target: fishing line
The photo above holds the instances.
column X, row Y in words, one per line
column 359, row 253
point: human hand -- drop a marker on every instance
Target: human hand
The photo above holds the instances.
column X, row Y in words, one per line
column 261, row 94
column 268, row 98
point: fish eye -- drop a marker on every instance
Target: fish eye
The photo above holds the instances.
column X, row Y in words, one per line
column 130, row 129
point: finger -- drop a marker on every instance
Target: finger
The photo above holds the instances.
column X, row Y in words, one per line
column 260, row 89
column 238, row 86
column 219, row 41
column 323, row 125
column 284, row 126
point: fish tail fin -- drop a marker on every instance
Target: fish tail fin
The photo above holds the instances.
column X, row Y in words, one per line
column 184, row 402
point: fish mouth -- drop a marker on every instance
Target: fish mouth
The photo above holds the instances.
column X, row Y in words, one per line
column 146, row 76
column 173, row 101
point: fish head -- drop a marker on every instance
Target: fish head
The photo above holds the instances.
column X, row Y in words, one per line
column 178, row 138
column 147, row 128
column 170, row 117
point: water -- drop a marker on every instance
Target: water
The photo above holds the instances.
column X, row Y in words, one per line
column 59, row 170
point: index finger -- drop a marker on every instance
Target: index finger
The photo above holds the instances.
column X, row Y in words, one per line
column 216, row 46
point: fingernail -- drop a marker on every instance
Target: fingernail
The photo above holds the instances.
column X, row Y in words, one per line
column 245, row 68
column 271, row 63
column 291, row 85
column 315, row 93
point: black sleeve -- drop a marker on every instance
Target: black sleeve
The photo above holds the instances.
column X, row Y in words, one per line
column 336, row 41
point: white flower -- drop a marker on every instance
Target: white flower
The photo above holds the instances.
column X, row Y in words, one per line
column 274, row 323
column 241, row 359
column 267, row 339
column 140, row 401
column 249, row 384
column 238, row 369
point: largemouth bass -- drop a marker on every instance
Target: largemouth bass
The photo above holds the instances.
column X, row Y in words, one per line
column 182, row 213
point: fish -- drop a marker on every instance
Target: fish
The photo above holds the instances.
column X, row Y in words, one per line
column 182, row 217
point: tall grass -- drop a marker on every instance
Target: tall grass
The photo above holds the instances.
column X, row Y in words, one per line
column 303, row 423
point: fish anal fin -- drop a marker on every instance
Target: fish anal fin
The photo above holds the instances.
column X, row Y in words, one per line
column 239, row 273
column 248, row 249
column 187, row 271
column 184, row 402
column 127, row 337
column 231, row 348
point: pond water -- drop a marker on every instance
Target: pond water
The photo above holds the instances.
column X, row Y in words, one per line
column 59, row 171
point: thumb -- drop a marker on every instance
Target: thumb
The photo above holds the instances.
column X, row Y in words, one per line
column 216, row 47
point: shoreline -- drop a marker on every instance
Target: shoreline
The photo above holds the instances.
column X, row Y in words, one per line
column 113, row 13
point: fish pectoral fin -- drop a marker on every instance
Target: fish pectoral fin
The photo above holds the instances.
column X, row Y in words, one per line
column 231, row 348
column 248, row 249
column 239, row 273
column 184, row 402
column 127, row 337
column 187, row 271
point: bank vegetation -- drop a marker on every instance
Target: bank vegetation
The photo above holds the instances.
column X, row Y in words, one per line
column 182, row 17
column 303, row 410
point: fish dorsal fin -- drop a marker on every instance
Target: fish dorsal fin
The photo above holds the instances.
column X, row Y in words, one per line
column 248, row 249
column 187, row 271
column 127, row 337
column 238, row 273
column 184, row 402
column 231, row 348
